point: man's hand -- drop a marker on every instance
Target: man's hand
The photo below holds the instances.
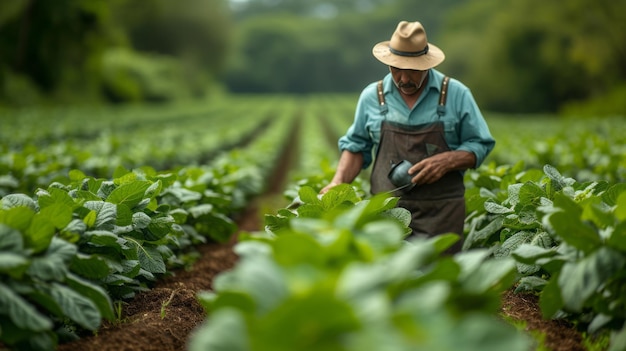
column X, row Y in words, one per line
column 350, row 164
column 327, row 187
column 431, row 169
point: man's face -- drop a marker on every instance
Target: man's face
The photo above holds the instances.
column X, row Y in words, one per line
column 408, row 81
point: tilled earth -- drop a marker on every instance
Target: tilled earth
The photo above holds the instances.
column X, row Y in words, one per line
column 146, row 326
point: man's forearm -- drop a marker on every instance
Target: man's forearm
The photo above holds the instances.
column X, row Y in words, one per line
column 461, row 160
column 349, row 166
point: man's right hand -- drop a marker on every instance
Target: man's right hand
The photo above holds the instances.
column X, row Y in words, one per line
column 327, row 187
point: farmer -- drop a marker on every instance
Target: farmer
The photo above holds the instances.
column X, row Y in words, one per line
column 416, row 114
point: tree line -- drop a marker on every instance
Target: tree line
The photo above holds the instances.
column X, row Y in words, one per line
column 516, row 56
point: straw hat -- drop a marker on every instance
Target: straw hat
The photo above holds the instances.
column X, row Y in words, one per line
column 409, row 48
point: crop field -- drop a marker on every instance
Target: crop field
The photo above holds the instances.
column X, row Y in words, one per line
column 174, row 227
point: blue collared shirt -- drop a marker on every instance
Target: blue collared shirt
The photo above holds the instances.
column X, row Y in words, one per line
column 464, row 124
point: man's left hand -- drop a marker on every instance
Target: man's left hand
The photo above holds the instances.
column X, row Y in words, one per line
column 431, row 169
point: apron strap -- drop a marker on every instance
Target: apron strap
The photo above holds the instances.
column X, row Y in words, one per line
column 443, row 96
column 381, row 99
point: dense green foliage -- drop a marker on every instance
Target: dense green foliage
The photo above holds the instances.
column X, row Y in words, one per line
column 90, row 50
column 323, row 278
column 567, row 236
column 529, row 56
column 79, row 232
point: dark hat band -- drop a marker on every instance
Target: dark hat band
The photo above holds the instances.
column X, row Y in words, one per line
column 409, row 53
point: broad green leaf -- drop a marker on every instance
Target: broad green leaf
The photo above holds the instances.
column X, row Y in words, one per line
column 104, row 238
column 200, row 210
column 22, row 313
column 477, row 236
column 86, row 196
column 13, row 264
column 231, row 299
column 558, row 181
column 53, row 265
column 106, row 214
column 530, row 284
column 105, row 189
column 10, row 239
column 359, row 279
column 595, row 212
column 550, row 300
column 76, row 306
column 149, row 257
column 308, row 195
column 180, row 196
column 93, row 292
column 39, row 233
column 529, row 254
column 89, row 266
column 219, row 227
column 18, row 218
column 258, row 276
column 611, row 195
column 180, row 215
column 76, row 175
column 141, row 220
column 160, row 227
column 294, row 249
column 154, row 189
column 579, row 280
column 493, row 207
column 617, row 240
column 225, row 330
column 620, row 209
column 491, row 275
column 75, row 226
column 512, row 243
column 443, row 242
column 59, row 214
column 336, row 196
column 530, row 194
column 575, row 232
column 124, row 215
column 18, row 200
column 123, row 175
column 400, row 214
column 381, row 235
column 315, row 321
column 90, row 219
column 618, row 339
column 129, row 194
column 55, row 196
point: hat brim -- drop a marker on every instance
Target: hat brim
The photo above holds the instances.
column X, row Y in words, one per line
column 434, row 57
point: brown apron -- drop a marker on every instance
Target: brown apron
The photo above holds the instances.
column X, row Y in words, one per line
column 436, row 208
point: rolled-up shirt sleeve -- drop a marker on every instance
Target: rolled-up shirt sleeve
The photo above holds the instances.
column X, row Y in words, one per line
column 474, row 134
column 357, row 138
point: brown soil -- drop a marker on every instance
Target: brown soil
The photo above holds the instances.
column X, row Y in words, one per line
column 558, row 335
column 162, row 318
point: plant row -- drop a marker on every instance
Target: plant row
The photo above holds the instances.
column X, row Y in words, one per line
column 32, row 157
column 584, row 149
column 568, row 239
column 72, row 251
column 336, row 273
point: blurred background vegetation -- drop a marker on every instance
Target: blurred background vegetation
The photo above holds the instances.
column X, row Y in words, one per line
column 517, row 56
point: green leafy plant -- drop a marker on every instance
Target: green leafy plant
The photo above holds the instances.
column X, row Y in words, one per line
column 337, row 274
column 567, row 238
